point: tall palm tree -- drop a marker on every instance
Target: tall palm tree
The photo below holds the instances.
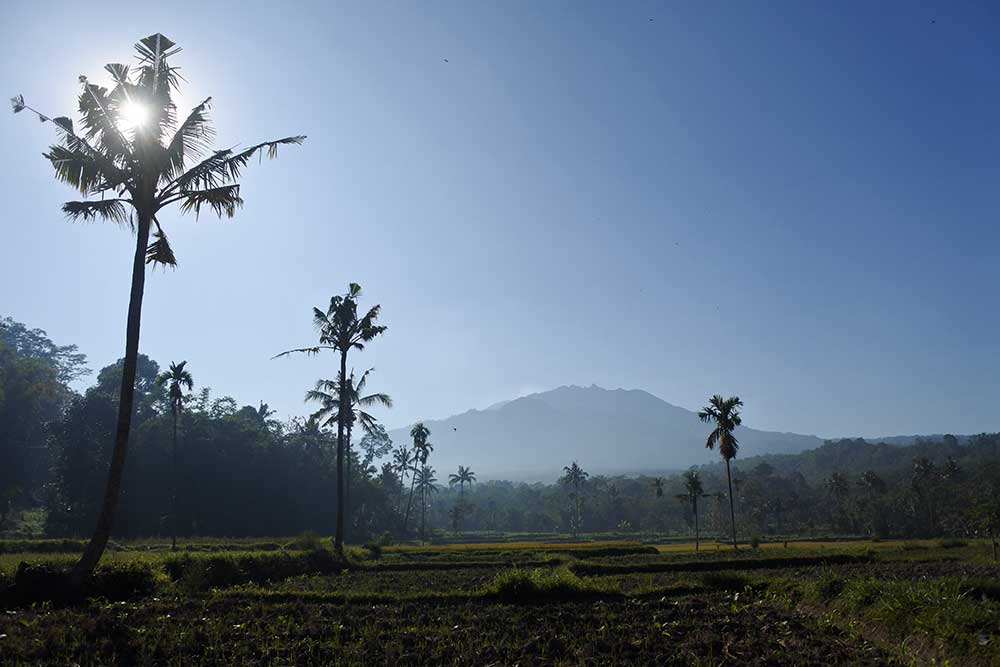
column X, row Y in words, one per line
column 692, row 492
column 724, row 413
column 421, row 450
column 463, row 477
column 327, row 393
column 402, row 458
column 425, row 485
column 575, row 476
column 178, row 378
column 658, row 486
column 131, row 147
column 340, row 331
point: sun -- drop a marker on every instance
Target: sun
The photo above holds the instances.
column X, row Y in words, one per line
column 131, row 116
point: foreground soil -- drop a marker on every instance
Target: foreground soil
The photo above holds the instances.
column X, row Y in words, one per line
column 696, row 630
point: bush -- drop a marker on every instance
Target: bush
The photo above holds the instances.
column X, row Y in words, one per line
column 828, row 585
column 725, row 581
column 112, row 581
column 519, row 586
column 221, row 570
column 952, row 543
column 374, row 550
column 755, row 542
column 306, row 541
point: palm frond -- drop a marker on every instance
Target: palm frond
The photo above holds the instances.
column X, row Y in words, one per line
column 225, row 165
column 223, row 200
column 76, row 168
column 112, row 210
column 304, row 350
column 375, row 399
column 191, row 140
column 159, row 251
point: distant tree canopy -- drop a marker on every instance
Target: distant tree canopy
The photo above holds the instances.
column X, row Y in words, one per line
column 241, row 472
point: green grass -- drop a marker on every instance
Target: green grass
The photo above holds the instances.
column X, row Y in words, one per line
column 521, row 602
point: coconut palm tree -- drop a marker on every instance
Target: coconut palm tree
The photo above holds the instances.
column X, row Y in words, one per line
column 327, row 393
column 178, row 378
column 575, row 476
column 425, row 485
column 724, row 413
column 422, row 449
column 692, row 492
column 402, row 458
column 340, row 331
column 134, row 159
column 463, row 477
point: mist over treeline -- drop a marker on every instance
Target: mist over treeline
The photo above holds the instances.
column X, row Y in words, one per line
column 243, row 473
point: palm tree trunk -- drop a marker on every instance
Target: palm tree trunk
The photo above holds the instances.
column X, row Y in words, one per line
column 732, row 507
column 105, row 521
column 173, row 489
column 423, row 514
column 347, row 501
column 409, row 502
column 338, row 540
column 697, row 532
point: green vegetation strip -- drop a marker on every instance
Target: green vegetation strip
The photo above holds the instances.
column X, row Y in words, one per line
column 585, row 568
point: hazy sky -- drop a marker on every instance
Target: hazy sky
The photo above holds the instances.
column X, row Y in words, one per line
column 795, row 202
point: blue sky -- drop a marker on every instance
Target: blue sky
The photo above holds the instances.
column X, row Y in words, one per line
column 794, row 202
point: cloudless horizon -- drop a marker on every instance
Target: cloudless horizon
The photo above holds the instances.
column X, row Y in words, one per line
column 792, row 202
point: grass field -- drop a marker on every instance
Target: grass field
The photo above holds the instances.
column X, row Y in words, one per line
column 526, row 603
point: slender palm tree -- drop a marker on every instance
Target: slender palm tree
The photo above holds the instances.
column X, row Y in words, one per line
column 327, row 393
column 425, row 485
column 340, row 331
column 692, row 492
column 575, row 476
column 178, row 378
column 658, row 486
column 463, row 477
column 131, row 147
column 402, row 458
column 421, row 451
column 724, row 413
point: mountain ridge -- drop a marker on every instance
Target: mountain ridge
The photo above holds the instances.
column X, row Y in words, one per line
column 533, row 436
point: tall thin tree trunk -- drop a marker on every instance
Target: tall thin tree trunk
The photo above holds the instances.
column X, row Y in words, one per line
column 173, row 489
column 732, row 507
column 347, row 501
column 409, row 502
column 338, row 540
column 423, row 514
column 105, row 521
column 697, row 533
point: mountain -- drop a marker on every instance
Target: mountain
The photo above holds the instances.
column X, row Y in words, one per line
column 615, row 431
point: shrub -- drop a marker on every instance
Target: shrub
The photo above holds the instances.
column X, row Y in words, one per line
column 755, row 542
column 113, row 581
column 306, row 541
column 521, row 585
column 952, row 543
column 828, row 585
column 222, row 570
column 725, row 581
column 374, row 550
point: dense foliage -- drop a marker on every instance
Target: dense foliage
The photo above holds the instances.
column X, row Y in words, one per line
column 243, row 473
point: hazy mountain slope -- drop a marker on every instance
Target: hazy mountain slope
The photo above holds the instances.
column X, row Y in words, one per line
column 607, row 431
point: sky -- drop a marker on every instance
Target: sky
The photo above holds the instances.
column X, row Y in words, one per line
column 795, row 202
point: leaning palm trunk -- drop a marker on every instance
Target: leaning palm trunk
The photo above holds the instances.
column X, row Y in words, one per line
column 732, row 507
column 102, row 533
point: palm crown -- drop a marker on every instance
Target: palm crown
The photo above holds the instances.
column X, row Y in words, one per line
column 725, row 414
column 178, row 378
column 422, row 448
column 147, row 166
column 463, row 476
column 339, row 327
column 327, row 394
